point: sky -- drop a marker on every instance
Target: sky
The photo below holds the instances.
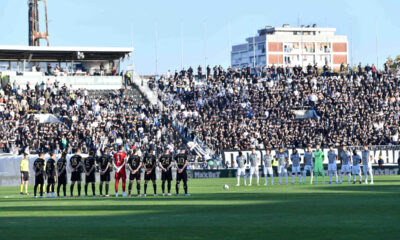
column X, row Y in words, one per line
column 202, row 30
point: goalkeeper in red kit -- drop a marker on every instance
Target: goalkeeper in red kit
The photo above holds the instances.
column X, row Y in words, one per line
column 119, row 167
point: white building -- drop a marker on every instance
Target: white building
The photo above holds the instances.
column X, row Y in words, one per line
column 292, row 46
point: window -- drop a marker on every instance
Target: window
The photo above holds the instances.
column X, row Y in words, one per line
column 251, row 47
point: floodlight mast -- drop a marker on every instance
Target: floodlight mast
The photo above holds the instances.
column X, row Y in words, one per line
column 33, row 22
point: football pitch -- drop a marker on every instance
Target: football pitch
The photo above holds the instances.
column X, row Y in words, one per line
column 256, row 212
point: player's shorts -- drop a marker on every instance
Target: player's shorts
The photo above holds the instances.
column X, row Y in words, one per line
column 91, row 178
column 39, row 179
column 76, row 177
column 151, row 176
column 282, row 169
column 120, row 175
column 308, row 168
column 135, row 176
column 332, row 167
column 181, row 176
column 367, row 168
column 166, row 176
column 346, row 168
column 105, row 177
column 62, row 179
column 296, row 169
column 355, row 170
column 51, row 180
column 254, row 171
column 319, row 168
column 241, row 172
column 268, row 170
column 25, row 176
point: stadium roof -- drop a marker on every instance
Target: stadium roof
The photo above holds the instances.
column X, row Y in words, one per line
column 61, row 54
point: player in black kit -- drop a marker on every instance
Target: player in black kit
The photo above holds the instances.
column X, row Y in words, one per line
column 165, row 164
column 181, row 163
column 62, row 174
column 149, row 164
column 105, row 162
column 134, row 165
column 89, row 168
column 39, row 167
column 76, row 164
column 51, row 174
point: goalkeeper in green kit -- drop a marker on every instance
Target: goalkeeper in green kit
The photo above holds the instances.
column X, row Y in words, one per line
column 319, row 164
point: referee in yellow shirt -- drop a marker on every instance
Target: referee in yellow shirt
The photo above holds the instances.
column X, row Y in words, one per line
column 24, row 165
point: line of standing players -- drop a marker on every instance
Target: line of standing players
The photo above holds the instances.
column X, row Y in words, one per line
column 55, row 171
column 313, row 163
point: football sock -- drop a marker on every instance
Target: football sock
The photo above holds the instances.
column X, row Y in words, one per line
column 79, row 189
column 101, row 188
column 155, row 188
column 116, row 185
column 71, row 189
column 145, row 188
column 21, row 186
column 130, row 188
column 177, row 188
column 185, row 187
column 349, row 177
column 123, row 185
column 41, row 190
column 26, row 188
column 169, row 186
column 163, row 187
column 107, row 187
column 93, row 189
column 86, row 187
column 286, row 176
column 138, row 188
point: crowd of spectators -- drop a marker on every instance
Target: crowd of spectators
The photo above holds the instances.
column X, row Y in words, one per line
column 87, row 120
column 245, row 108
column 223, row 108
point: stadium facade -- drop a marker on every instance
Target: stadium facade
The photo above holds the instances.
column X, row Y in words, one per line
column 292, row 46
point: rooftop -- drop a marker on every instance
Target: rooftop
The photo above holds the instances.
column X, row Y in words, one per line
column 64, row 54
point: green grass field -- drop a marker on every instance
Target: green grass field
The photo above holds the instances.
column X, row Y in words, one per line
column 273, row 212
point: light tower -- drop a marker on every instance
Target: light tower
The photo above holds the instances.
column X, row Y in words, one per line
column 33, row 22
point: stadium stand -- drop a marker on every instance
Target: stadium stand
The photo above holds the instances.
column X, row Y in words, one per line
column 245, row 108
